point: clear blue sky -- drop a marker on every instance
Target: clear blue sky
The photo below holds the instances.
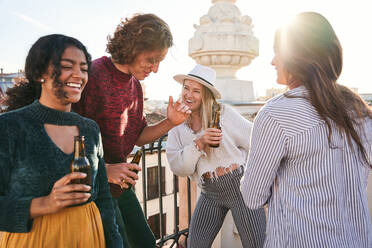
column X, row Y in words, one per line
column 23, row 21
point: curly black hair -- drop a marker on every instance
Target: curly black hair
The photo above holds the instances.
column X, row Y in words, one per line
column 46, row 51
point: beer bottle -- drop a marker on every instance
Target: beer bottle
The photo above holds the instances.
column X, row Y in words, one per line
column 136, row 159
column 216, row 124
column 80, row 163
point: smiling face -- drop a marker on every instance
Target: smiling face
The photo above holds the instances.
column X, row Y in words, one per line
column 60, row 92
column 192, row 94
column 282, row 75
column 145, row 63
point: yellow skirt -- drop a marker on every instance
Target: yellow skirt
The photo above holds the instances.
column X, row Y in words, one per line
column 74, row 227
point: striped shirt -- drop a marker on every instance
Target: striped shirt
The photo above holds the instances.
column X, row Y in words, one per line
column 315, row 190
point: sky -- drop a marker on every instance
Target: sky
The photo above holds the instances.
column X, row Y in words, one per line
column 91, row 21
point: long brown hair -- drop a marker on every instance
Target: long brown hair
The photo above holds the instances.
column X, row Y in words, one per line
column 312, row 55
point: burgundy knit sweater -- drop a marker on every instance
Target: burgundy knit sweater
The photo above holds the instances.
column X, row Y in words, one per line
column 115, row 101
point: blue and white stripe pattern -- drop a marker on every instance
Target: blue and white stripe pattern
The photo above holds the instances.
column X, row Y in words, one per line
column 218, row 196
column 315, row 191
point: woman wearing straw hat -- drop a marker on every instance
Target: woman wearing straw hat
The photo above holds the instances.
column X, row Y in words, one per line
column 216, row 170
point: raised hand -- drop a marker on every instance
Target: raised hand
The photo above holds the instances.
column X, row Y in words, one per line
column 177, row 112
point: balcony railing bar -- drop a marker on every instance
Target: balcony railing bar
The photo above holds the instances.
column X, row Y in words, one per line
column 144, row 181
column 188, row 200
column 175, row 210
column 160, row 187
column 175, row 237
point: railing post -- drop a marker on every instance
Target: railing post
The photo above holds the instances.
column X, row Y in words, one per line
column 189, row 200
column 177, row 233
column 176, row 217
column 144, row 181
column 160, row 176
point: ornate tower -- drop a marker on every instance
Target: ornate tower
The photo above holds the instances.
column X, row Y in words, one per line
column 224, row 40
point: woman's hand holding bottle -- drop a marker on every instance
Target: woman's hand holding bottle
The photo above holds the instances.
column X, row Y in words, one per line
column 63, row 194
column 211, row 136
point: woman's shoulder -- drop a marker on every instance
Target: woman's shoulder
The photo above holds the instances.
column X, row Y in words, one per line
column 7, row 119
column 182, row 131
column 289, row 102
column 179, row 129
column 230, row 113
column 228, row 110
column 86, row 122
column 14, row 115
column 15, row 123
column 292, row 111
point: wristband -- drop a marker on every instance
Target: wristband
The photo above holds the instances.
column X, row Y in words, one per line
column 198, row 148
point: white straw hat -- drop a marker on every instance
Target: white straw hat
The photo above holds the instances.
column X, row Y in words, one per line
column 203, row 75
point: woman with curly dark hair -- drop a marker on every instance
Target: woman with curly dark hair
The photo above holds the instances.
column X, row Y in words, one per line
column 40, row 207
column 114, row 99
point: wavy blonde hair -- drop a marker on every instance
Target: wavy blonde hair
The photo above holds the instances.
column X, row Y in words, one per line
column 208, row 106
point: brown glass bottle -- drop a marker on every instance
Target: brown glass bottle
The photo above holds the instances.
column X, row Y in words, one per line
column 80, row 163
column 216, row 124
column 135, row 160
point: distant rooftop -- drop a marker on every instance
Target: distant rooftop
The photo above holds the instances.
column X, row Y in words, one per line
column 367, row 97
column 153, row 118
column 12, row 75
column 7, row 80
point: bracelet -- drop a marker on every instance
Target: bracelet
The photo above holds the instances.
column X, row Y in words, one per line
column 196, row 146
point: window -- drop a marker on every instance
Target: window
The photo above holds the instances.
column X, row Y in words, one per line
column 154, row 223
column 153, row 182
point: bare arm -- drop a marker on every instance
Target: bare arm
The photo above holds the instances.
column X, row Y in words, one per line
column 151, row 133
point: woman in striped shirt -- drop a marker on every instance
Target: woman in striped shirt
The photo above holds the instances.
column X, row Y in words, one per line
column 310, row 152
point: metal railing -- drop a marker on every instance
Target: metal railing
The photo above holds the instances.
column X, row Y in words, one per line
column 173, row 238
